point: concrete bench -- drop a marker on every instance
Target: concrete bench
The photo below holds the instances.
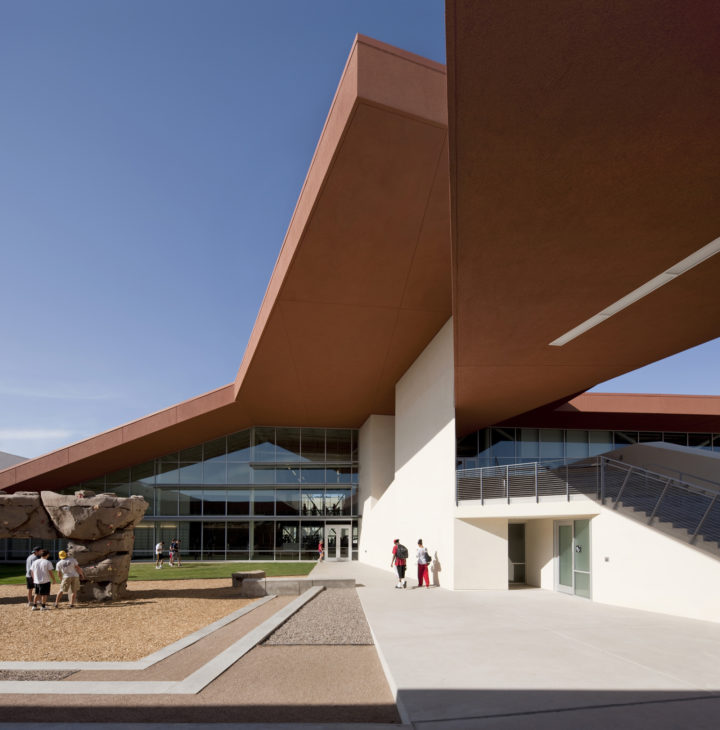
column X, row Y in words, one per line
column 250, row 582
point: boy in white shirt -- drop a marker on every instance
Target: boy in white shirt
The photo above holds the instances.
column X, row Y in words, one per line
column 29, row 582
column 70, row 572
column 43, row 573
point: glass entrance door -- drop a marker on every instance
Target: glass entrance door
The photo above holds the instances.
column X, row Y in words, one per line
column 572, row 557
column 338, row 541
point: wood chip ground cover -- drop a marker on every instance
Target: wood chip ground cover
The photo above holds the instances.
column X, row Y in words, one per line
column 155, row 614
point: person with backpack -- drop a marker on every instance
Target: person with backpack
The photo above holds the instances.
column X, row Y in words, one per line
column 423, row 560
column 399, row 560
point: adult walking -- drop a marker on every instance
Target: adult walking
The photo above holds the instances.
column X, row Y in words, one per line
column 29, row 582
column 69, row 572
column 399, row 560
column 423, row 560
column 159, row 555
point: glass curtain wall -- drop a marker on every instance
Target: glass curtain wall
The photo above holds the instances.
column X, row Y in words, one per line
column 511, row 445
column 264, row 493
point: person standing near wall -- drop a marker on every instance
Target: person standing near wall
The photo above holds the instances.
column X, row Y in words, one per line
column 423, row 558
column 70, row 573
column 43, row 573
column 399, row 560
column 29, row 582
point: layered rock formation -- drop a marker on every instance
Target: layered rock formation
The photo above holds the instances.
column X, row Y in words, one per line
column 100, row 529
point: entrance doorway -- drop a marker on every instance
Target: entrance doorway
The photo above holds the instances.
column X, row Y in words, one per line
column 337, row 542
column 572, row 557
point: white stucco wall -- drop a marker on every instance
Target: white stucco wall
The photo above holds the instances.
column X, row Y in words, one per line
column 649, row 570
column 420, row 501
column 481, row 554
column 376, row 459
column 539, row 567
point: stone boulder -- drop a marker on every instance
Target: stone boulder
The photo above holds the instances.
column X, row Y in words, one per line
column 22, row 515
column 92, row 517
column 87, row 552
column 105, row 580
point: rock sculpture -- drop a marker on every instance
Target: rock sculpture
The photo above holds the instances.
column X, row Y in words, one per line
column 100, row 529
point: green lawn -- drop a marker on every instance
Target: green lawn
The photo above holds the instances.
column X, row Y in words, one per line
column 15, row 574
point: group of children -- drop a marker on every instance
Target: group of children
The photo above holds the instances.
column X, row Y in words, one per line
column 399, row 560
column 174, row 554
column 40, row 574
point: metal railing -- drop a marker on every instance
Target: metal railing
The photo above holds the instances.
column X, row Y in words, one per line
column 654, row 498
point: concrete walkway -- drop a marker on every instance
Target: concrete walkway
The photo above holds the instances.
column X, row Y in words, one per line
column 536, row 659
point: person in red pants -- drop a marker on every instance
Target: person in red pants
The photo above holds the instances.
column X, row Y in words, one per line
column 423, row 560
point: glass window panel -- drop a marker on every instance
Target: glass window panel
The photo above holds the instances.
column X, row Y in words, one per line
column 147, row 492
column 264, row 501
column 700, row 440
column 215, row 471
column 143, row 472
column 599, row 442
column 313, row 502
column 263, row 444
column 624, row 438
column 287, row 441
column 337, row 502
column 582, row 585
column 165, row 531
column 355, row 445
column 238, row 501
column 167, row 501
column 238, row 540
column 119, row 490
column 213, row 501
column 263, row 474
column 144, row 539
column 287, row 475
column 239, row 447
column 354, row 500
column 238, row 473
column 503, row 445
column 338, row 444
column 582, row 545
column 166, row 470
column 192, row 547
column 312, row 446
column 263, row 540
column 310, row 535
column 675, row 438
column 646, row 437
column 96, row 485
column 122, row 476
column 467, row 446
column 191, row 455
column 214, row 449
column 313, row 475
column 189, row 501
column 576, row 444
column 214, row 540
column 287, row 540
column 552, row 444
column 338, row 475
column 716, row 442
column 529, row 444
column 190, row 473
column 287, row 501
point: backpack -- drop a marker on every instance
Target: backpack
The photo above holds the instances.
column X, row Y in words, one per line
column 428, row 559
column 401, row 552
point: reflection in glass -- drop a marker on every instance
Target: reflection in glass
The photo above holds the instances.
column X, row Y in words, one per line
column 264, row 501
column 700, row 440
column 190, row 473
column 312, row 447
column 287, row 475
column 192, row 455
column 287, row 441
column 599, row 442
column 338, row 444
column 551, row 443
column 238, row 540
column 287, row 501
column 238, row 501
column 646, row 437
column 214, row 540
column 263, row 540
column 143, row 472
column 239, row 446
column 311, row 534
column 122, row 476
column 166, row 470
column 263, row 474
column 313, row 475
column 624, row 438
column 675, row 438
column 215, row 471
column 337, row 502
column 338, row 475
column 263, row 444
column 213, row 501
column 576, row 445
column 190, row 501
column 239, row 473
column 167, row 501
column 287, row 539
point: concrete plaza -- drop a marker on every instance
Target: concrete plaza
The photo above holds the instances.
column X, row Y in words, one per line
column 531, row 658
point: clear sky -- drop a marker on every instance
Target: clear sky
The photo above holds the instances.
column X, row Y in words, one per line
column 151, row 156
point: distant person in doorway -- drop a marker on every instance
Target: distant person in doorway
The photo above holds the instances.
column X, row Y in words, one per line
column 29, row 582
column 43, row 574
column 321, row 551
column 399, row 560
column 69, row 572
column 159, row 555
column 423, row 560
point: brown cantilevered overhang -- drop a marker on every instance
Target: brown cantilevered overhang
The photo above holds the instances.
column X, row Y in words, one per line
column 584, row 161
column 361, row 285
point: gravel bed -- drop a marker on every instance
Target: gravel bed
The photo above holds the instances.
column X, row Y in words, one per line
column 333, row 617
column 27, row 675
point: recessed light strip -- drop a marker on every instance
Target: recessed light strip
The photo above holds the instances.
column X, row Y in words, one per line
column 702, row 254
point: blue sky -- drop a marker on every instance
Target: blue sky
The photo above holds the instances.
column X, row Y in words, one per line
column 151, row 157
